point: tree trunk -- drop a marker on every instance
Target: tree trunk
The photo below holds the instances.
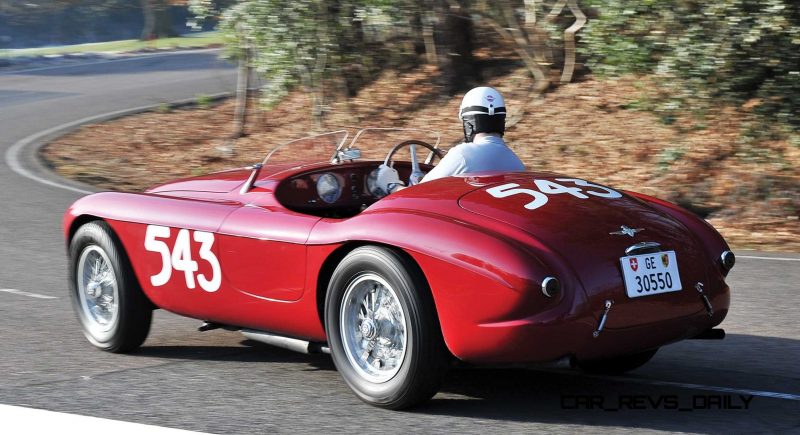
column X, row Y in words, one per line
column 353, row 67
column 157, row 20
column 569, row 41
column 537, row 35
column 429, row 44
column 242, row 89
column 454, row 36
column 524, row 46
column 422, row 19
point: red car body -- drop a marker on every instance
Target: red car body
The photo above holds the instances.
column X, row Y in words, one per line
column 484, row 257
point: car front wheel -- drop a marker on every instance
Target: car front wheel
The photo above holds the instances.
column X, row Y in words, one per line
column 113, row 312
column 382, row 329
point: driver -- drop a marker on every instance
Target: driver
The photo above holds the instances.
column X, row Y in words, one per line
column 483, row 114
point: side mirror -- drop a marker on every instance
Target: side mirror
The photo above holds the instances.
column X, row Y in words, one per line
column 348, row 154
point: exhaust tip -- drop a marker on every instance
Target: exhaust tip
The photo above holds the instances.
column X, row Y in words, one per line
column 728, row 260
column 551, row 286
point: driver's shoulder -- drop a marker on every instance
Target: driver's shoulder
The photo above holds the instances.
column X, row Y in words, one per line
column 458, row 152
column 460, row 148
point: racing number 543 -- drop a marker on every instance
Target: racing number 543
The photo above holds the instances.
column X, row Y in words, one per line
column 180, row 258
column 547, row 187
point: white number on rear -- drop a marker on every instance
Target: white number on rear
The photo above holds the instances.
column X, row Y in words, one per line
column 551, row 188
column 539, row 199
column 606, row 192
column 547, row 187
column 180, row 258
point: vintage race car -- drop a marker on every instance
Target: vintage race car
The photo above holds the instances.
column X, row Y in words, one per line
column 485, row 268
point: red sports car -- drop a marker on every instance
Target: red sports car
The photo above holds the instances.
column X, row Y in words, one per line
column 485, row 268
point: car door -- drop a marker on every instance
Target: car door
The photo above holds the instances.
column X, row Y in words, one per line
column 262, row 245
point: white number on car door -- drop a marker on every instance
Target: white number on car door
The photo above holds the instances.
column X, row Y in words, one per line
column 180, row 257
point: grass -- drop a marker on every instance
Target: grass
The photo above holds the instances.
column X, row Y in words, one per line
column 197, row 40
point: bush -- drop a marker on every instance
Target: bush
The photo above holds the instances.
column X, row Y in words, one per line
column 704, row 53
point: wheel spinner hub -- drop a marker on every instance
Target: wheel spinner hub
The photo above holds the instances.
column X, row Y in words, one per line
column 373, row 328
column 368, row 329
column 98, row 292
column 93, row 289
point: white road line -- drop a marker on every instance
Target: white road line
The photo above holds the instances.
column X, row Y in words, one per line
column 14, row 152
column 759, row 393
column 102, row 62
column 30, row 421
column 28, row 294
column 767, row 258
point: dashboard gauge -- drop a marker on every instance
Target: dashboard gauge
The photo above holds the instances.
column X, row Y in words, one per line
column 328, row 188
column 372, row 184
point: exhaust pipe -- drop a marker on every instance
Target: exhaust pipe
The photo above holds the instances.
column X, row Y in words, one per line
column 293, row 344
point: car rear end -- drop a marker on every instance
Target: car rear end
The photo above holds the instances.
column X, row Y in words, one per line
column 630, row 276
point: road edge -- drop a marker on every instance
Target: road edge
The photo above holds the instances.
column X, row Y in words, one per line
column 24, row 157
column 92, row 58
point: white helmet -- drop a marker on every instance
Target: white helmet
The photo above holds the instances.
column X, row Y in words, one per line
column 482, row 111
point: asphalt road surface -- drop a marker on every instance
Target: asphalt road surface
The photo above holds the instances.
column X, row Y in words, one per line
column 218, row 382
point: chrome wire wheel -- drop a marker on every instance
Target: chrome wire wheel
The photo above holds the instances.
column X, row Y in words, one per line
column 98, row 293
column 382, row 329
column 373, row 328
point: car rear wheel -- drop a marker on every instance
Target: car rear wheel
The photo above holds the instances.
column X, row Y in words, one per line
column 382, row 329
column 617, row 365
column 113, row 312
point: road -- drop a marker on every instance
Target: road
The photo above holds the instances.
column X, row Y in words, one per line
column 218, row 382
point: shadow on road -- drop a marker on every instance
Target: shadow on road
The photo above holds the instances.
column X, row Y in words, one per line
column 520, row 395
column 543, row 397
column 250, row 351
column 740, row 362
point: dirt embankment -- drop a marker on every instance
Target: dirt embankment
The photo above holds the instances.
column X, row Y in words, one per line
column 586, row 129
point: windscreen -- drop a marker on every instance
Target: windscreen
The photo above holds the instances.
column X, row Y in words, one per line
column 309, row 149
column 375, row 143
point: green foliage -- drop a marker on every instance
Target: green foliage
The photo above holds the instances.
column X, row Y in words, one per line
column 164, row 108
column 299, row 42
column 203, row 101
column 669, row 156
column 704, row 53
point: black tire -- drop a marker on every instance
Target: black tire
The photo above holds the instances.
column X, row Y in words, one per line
column 128, row 330
column 425, row 359
column 617, row 365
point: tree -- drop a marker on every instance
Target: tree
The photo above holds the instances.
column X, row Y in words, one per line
column 157, row 19
column 304, row 42
column 519, row 22
column 36, row 22
column 84, row 15
column 705, row 53
column 454, row 37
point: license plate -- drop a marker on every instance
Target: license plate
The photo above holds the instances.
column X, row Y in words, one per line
column 650, row 274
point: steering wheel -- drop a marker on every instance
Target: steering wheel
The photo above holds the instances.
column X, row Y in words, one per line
column 416, row 172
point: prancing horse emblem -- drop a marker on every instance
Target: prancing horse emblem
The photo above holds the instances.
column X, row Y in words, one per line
column 627, row 231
